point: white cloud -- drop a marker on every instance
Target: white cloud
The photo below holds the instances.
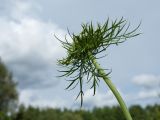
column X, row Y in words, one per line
column 99, row 99
column 17, row 9
column 148, row 94
column 147, row 80
column 145, row 97
column 20, row 8
column 29, row 36
column 28, row 46
column 142, row 95
column 149, row 89
column 30, row 50
column 36, row 98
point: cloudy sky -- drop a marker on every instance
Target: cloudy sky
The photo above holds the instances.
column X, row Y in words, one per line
column 30, row 51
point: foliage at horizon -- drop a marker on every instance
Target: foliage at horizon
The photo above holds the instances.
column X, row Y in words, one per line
column 8, row 92
column 106, row 113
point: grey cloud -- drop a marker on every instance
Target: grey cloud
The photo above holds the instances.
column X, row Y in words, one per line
column 32, row 71
column 147, row 80
column 5, row 7
column 29, row 50
column 15, row 9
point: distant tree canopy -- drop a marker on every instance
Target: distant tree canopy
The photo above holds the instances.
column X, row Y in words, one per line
column 105, row 113
column 8, row 93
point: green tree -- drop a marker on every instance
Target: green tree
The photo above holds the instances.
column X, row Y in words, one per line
column 117, row 113
column 105, row 113
column 153, row 112
column 8, row 92
column 138, row 113
column 86, row 115
column 68, row 115
column 20, row 114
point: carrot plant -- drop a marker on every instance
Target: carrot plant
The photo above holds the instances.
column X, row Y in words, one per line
column 81, row 61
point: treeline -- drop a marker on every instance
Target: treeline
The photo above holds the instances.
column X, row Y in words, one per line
column 105, row 113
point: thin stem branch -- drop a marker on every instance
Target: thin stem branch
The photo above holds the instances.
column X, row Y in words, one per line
column 113, row 89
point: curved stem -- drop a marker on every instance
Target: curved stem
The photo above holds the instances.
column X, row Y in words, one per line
column 113, row 89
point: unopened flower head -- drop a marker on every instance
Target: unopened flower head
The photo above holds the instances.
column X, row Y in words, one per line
column 86, row 45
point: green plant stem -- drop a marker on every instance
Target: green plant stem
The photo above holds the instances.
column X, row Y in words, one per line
column 113, row 89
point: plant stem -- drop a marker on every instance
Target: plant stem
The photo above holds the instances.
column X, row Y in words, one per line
column 113, row 89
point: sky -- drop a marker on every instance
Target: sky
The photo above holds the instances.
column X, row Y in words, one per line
column 30, row 50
